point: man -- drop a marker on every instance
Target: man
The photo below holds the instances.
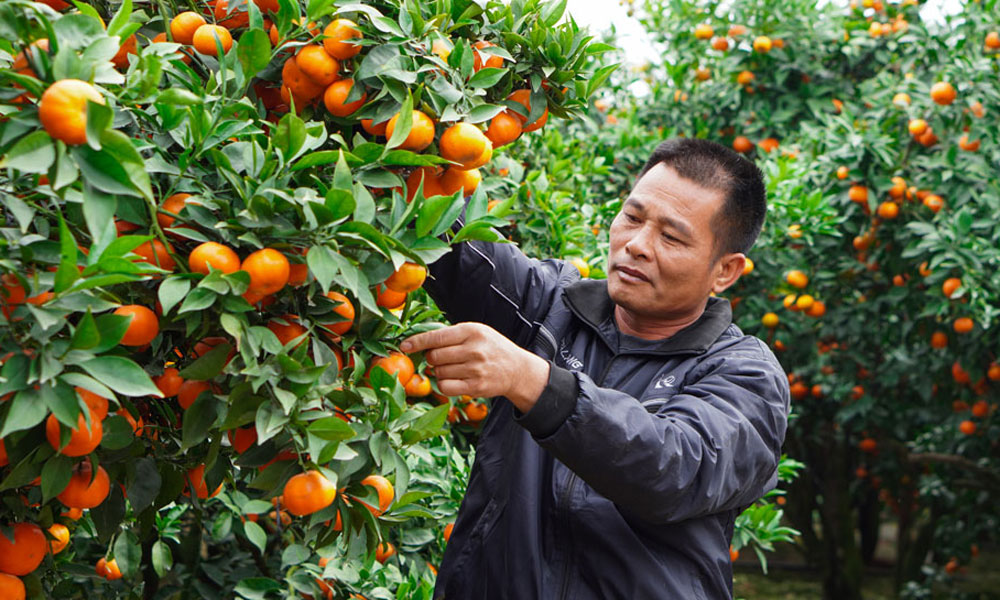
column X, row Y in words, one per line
column 633, row 421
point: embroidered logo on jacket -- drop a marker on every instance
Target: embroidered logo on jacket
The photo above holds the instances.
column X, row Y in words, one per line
column 571, row 361
column 666, row 381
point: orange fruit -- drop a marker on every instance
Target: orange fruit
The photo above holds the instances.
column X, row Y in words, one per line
column 748, row 266
column 744, row 77
column 242, row 438
column 189, row 392
column 455, row 179
column 950, row 285
column 169, row 383
column 967, row 427
column 992, row 40
column 818, row 309
column 120, row 59
column 843, row 172
column 797, row 279
column 142, row 327
column 917, row 127
column 965, row 144
column 338, row 36
column 238, row 17
column 463, row 143
column 418, row 386
column 289, row 331
column 60, row 535
column 720, row 43
column 385, row 492
column 335, row 96
column 108, row 569
column 902, row 99
column 733, row 554
column 184, row 26
column 11, row 588
column 482, row 59
column 943, row 93
column 993, row 372
column 742, row 144
column 97, row 404
column 868, row 445
column 977, row 109
column 268, row 269
column 934, row 202
column 25, row 553
column 266, row 6
column 504, row 129
column 344, row 308
column 307, row 493
column 736, row 30
column 82, row 440
column 963, row 325
column 888, row 210
column 960, row 375
column 85, row 488
column 212, row 255
column 389, row 299
column 314, row 61
column 206, row 36
column 804, row 302
column 196, row 481
column 475, row 412
column 770, row 320
column 980, row 409
column 523, row 97
column 396, row 364
column 421, row 132
column 407, row 278
column 431, row 178
column 858, row 193
column 703, row 31
column 384, row 552
column 156, row 254
column 939, row 340
column 173, row 204
column 762, row 44
column 298, row 84
column 372, row 128
column 768, row 144
column 63, row 110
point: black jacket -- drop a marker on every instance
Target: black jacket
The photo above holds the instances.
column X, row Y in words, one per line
column 626, row 477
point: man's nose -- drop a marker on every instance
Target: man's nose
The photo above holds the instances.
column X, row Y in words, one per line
column 640, row 244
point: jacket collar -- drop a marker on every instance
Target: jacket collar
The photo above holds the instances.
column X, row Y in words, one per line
column 589, row 300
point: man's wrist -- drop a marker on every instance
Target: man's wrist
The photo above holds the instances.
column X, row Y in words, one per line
column 530, row 382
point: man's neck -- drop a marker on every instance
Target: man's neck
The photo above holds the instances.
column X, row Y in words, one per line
column 646, row 328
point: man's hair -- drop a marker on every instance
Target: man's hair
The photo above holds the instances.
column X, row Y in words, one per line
column 737, row 223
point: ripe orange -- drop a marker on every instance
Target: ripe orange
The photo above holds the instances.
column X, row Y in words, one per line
column 736, row 30
column 184, row 26
column 744, row 77
column 917, row 127
column 992, row 40
column 385, row 492
column 928, row 139
column 770, row 320
column 268, row 269
column 338, row 36
column 86, row 489
column 868, row 445
column 447, row 531
column 142, row 327
column 344, row 308
column 376, row 129
column 287, row 332
column 298, row 84
column 156, row 254
column 888, row 210
column 421, row 132
column 335, row 96
column 842, row 172
column 169, row 383
column 397, row 364
column 307, row 493
column 206, row 36
column 482, row 59
column 939, row 340
column 238, row 17
column 967, row 427
column 720, row 43
column 389, row 299
column 173, row 204
column 742, row 144
column 858, row 193
column 504, row 129
column 120, row 59
column 902, row 99
column 63, row 110
column 805, row 302
column 97, row 404
column 314, row 61
column 464, row 143
column 768, row 144
column 418, row 386
column 934, row 202
column 733, row 554
column 384, row 552
column 980, row 409
column 762, row 44
column 960, row 375
column 523, row 97
column 965, row 144
column 266, row 6
column 25, row 553
column 108, row 569
column 431, row 177
column 748, row 266
column 797, row 279
column 242, row 438
column 189, row 392
column 950, row 285
column 407, row 278
column 703, row 31
column 818, row 309
column 455, row 179
column 11, row 588
column 993, row 372
column 82, row 440
column 475, row 412
column 943, row 93
column 963, row 325
column 212, row 255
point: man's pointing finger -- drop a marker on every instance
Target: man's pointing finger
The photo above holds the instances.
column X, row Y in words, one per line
column 439, row 338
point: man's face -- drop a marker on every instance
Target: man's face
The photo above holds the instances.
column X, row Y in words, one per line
column 662, row 262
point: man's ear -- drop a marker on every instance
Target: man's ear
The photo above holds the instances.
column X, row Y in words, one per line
column 728, row 269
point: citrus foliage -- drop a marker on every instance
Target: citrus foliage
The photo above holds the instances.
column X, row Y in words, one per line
column 877, row 276
column 216, row 223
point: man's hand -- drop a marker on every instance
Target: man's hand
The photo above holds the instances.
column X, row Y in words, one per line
column 476, row 360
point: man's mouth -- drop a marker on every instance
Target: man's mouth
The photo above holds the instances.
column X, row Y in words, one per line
column 631, row 275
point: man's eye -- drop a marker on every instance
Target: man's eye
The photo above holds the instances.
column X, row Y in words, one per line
column 632, row 218
column 669, row 237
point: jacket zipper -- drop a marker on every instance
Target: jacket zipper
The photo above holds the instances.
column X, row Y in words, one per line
column 570, row 484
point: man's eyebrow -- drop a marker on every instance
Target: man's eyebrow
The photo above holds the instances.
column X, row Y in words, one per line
column 667, row 220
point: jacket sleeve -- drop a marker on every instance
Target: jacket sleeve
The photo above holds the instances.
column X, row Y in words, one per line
column 713, row 446
column 496, row 284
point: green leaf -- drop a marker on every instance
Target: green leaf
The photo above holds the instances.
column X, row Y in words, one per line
column 62, row 401
column 342, row 179
column 552, row 12
column 431, row 211
column 178, row 97
column 331, row 429
column 121, row 375
column 258, row 538
column 487, row 77
column 256, row 588
column 289, row 135
column 99, row 214
column 254, row 52
column 118, row 433
column 121, row 18
column 163, row 560
column 199, row 299
column 56, row 475
column 427, row 425
column 26, row 410
column 34, row 153
column 403, row 125
column 484, row 112
column 67, row 272
column 86, row 335
column 208, row 365
column 198, row 420
column 322, row 265
column 99, row 118
column 172, row 291
column 117, row 168
column 112, row 328
column 128, row 554
column 145, row 485
column 340, row 202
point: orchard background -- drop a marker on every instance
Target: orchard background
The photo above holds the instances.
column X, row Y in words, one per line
column 213, row 242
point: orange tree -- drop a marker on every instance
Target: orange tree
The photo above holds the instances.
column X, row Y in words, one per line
column 877, row 276
column 216, row 217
